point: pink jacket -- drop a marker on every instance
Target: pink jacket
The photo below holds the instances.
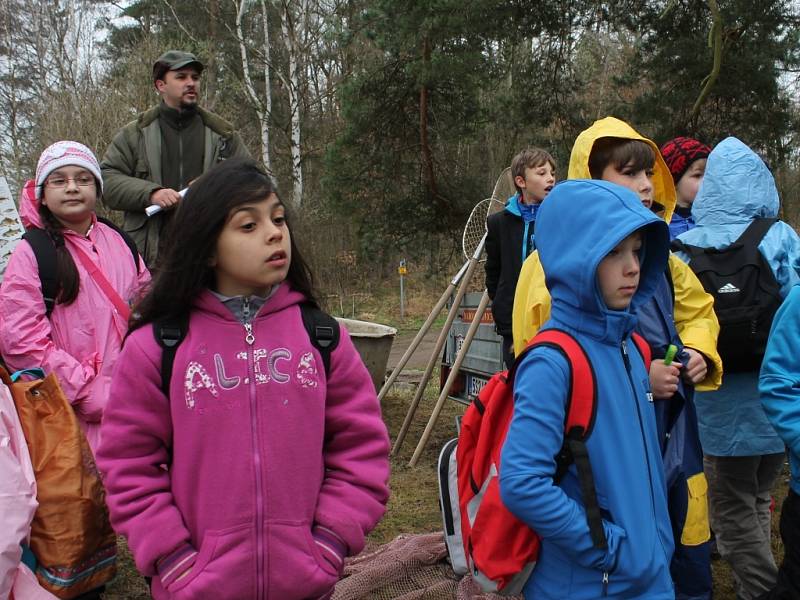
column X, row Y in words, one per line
column 273, row 473
column 17, row 506
column 80, row 341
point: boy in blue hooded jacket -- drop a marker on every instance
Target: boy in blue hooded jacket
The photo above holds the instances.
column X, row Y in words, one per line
column 779, row 385
column 603, row 254
column 743, row 454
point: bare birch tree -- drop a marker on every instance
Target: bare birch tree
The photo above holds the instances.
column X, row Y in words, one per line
column 292, row 31
column 262, row 105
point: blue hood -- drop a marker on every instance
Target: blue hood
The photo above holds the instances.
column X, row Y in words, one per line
column 736, row 188
column 515, row 206
column 581, row 222
column 512, row 205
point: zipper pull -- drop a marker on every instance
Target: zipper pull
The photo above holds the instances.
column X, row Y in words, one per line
column 249, row 338
column 625, row 358
column 605, row 584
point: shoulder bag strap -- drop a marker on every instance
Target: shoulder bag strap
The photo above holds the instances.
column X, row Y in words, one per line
column 105, row 286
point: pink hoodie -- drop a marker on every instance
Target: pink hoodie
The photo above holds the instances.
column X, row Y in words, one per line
column 274, row 473
column 17, row 506
column 80, row 341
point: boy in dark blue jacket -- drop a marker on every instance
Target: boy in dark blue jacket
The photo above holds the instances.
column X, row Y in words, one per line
column 509, row 237
column 603, row 254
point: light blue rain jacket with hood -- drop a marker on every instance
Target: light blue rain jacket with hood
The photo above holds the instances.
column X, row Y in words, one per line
column 737, row 188
column 780, row 379
column 581, row 222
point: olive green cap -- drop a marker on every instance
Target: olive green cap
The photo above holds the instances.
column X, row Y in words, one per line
column 172, row 60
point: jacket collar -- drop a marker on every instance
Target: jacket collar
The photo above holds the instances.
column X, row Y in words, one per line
column 175, row 118
column 284, row 297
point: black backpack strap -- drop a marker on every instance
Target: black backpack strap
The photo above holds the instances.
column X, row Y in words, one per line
column 126, row 238
column 169, row 333
column 584, row 402
column 756, row 231
column 44, row 249
column 576, row 444
column 677, row 245
column 323, row 331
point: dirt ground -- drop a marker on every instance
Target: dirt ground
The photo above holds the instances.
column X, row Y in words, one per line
column 422, row 354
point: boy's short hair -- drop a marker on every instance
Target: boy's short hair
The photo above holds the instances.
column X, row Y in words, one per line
column 620, row 152
column 529, row 158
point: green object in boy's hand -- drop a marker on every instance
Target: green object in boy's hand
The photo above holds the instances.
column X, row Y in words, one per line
column 671, row 350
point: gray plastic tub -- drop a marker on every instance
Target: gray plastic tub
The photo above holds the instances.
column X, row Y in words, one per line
column 373, row 342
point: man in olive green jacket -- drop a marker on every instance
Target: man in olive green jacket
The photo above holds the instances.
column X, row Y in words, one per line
column 163, row 151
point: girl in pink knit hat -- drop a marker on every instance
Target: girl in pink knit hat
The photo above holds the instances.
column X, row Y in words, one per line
column 75, row 329
column 64, row 300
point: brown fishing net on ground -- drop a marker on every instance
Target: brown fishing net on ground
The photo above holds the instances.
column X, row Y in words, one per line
column 410, row 567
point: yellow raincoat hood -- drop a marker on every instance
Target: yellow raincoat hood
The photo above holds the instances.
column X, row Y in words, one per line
column 663, row 186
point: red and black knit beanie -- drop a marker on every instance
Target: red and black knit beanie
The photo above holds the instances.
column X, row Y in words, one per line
column 681, row 152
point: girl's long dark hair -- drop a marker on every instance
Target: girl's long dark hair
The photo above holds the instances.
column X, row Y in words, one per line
column 67, row 277
column 69, row 282
column 183, row 269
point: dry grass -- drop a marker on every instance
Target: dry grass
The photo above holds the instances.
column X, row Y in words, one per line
column 381, row 303
column 413, row 506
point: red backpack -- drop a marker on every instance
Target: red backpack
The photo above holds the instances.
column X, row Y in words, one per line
column 501, row 551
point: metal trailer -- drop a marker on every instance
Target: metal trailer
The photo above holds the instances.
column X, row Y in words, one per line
column 484, row 357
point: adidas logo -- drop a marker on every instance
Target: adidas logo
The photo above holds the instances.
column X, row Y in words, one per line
column 728, row 288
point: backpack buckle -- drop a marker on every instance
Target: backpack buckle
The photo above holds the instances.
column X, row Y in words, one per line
column 324, row 335
column 170, row 336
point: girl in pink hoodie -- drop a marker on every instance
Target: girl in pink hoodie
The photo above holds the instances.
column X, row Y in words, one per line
column 80, row 339
column 259, row 470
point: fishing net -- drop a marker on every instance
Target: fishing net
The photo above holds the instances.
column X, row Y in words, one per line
column 504, row 188
column 475, row 230
column 411, row 567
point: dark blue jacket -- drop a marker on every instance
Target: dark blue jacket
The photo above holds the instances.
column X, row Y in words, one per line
column 509, row 241
column 679, row 224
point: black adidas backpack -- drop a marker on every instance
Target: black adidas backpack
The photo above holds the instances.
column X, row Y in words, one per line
column 746, row 295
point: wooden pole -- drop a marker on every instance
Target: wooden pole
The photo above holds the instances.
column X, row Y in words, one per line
column 462, row 353
column 421, row 333
column 462, row 288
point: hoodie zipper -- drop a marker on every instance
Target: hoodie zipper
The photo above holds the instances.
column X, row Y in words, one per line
column 605, row 584
column 627, row 361
column 248, row 326
column 525, row 242
column 254, row 428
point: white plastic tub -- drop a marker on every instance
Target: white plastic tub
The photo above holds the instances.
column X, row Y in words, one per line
column 373, row 342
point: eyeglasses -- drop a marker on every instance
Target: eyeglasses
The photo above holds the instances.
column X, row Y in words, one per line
column 59, row 181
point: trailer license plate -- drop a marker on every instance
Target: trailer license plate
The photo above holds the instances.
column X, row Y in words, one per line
column 475, row 385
